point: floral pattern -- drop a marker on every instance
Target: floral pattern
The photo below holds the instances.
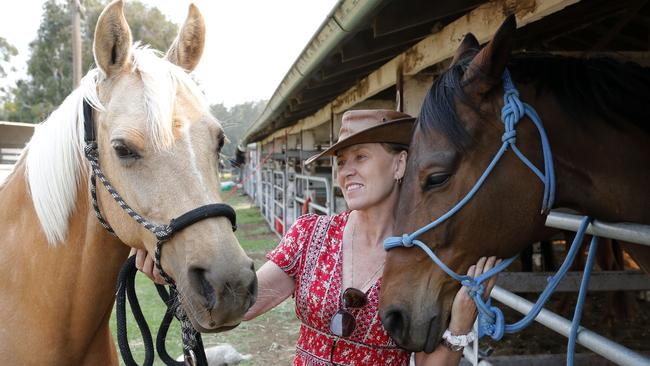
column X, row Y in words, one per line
column 311, row 254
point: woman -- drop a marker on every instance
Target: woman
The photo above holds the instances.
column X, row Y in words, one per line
column 333, row 264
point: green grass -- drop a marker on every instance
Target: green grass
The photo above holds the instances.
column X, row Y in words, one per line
column 269, row 338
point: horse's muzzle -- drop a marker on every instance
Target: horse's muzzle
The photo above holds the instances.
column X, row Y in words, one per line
column 415, row 336
column 224, row 297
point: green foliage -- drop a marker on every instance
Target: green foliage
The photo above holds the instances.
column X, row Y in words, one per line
column 49, row 68
column 7, row 51
column 235, row 121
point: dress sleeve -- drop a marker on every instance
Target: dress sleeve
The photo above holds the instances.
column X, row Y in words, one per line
column 288, row 254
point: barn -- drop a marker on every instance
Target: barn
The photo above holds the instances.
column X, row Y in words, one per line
column 13, row 138
column 386, row 54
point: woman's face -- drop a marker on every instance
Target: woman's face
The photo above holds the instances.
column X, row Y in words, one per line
column 367, row 174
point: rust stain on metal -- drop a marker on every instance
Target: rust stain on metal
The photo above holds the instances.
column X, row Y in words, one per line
column 518, row 7
column 412, row 57
column 359, row 92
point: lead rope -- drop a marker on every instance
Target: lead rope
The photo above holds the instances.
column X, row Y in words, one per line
column 490, row 319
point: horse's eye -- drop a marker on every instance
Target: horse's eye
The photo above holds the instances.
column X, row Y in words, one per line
column 435, row 180
column 221, row 142
column 123, row 151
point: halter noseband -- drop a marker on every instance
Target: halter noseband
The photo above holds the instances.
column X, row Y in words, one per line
column 162, row 232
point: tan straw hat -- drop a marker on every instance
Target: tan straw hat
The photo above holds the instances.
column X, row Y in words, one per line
column 370, row 125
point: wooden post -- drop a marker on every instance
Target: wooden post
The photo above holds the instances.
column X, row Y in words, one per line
column 76, row 44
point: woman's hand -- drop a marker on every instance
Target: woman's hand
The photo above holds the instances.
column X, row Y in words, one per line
column 463, row 309
column 144, row 262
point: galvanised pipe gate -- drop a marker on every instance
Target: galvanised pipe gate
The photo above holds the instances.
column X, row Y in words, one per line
column 303, row 185
column 608, row 349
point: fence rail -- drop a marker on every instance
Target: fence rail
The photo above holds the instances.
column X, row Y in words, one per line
column 608, row 349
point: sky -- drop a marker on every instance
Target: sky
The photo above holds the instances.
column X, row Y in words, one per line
column 250, row 44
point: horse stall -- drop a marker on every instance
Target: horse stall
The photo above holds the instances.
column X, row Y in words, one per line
column 386, row 54
column 13, row 138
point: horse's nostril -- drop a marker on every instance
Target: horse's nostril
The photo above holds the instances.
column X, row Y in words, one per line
column 198, row 280
column 252, row 287
column 396, row 323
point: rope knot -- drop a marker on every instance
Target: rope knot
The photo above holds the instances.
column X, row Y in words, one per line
column 163, row 233
column 407, row 241
column 90, row 150
column 492, row 326
column 509, row 136
column 473, row 288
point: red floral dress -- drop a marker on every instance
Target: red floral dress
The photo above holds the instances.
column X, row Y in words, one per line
column 311, row 254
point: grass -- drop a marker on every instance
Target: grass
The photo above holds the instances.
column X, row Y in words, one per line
column 270, row 338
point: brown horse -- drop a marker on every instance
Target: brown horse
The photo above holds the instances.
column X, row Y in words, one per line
column 159, row 146
column 595, row 112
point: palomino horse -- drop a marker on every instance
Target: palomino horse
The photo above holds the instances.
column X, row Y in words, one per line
column 595, row 112
column 159, row 147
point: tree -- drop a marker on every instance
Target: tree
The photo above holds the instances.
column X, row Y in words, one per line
column 7, row 51
column 49, row 68
column 235, row 121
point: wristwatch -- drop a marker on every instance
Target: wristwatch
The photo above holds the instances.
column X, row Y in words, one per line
column 451, row 347
column 457, row 342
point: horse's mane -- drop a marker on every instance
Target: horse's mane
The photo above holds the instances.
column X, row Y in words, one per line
column 55, row 165
column 586, row 88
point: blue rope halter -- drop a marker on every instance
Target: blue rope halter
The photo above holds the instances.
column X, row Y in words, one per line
column 491, row 320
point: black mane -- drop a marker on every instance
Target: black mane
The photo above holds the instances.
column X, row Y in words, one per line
column 587, row 88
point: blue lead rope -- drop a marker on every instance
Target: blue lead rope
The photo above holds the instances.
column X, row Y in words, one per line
column 490, row 320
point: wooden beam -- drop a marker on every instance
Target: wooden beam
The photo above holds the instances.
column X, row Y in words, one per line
column 600, row 281
column 366, row 43
column 400, row 15
column 482, row 21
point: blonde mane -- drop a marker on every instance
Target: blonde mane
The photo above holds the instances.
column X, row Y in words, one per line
column 55, row 165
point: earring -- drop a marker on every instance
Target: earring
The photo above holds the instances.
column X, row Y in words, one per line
column 399, row 180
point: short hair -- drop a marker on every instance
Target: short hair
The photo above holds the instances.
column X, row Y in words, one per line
column 394, row 148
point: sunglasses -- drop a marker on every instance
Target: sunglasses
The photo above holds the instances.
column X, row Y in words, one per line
column 343, row 323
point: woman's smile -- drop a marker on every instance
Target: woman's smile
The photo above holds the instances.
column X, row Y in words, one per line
column 351, row 187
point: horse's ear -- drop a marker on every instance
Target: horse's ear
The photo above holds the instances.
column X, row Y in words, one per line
column 488, row 65
column 468, row 43
column 112, row 45
column 187, row 49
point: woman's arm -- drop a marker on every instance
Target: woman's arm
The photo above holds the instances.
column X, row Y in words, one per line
column 273, row 287
column 273, row 284
column 463, row 315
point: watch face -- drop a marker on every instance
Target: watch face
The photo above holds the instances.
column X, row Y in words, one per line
column 452, row 347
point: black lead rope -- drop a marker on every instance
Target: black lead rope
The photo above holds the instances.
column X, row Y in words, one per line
column 126, row 287
column 192, row 343
column 126, row 290
column 199, row 351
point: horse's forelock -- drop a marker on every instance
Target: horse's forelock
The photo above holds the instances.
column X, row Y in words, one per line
column 438, row 113
column 160, row 80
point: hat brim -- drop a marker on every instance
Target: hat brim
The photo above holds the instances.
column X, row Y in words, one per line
column 398, row 131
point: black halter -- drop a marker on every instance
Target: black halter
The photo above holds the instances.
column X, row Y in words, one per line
column 163, row 232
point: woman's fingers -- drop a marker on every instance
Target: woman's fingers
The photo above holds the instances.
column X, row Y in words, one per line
column 480, row 265
column 492, row 281
column 471, row 270
column 145, row 263
column 489, row 264
column 140, row 256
